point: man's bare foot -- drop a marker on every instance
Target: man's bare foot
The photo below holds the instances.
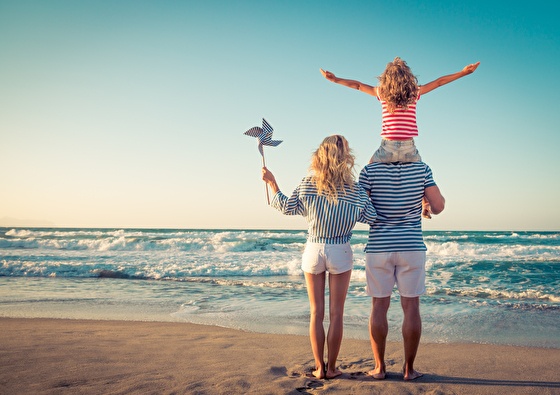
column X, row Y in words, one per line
column 331, row 374
column 411, row 374
column 378, row 373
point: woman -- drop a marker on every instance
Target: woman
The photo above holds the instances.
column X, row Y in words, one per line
column 332, row 202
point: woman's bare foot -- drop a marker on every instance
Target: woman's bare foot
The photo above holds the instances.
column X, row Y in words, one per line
column 378, row 373
column 331, row 374
column 319, row 373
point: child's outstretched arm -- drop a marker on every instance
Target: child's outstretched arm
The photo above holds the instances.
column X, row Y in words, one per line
column 446, row 79
column 370, row 90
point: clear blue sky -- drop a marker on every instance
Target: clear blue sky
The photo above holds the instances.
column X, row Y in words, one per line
column 132, row 113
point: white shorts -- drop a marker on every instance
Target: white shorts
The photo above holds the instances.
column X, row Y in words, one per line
column 320, row 257
column 405, row 269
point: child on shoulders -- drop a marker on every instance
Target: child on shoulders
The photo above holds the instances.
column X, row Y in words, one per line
column 398, row 92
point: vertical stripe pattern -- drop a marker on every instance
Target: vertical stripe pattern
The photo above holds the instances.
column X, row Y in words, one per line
column 328, row 222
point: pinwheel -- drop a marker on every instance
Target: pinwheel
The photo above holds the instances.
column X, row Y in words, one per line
column 264, row 137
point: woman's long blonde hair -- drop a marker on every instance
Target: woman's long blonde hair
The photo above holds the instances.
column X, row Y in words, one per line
column 332, row 166
column 397, row 85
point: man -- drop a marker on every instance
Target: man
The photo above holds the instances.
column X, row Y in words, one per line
column 396, row 253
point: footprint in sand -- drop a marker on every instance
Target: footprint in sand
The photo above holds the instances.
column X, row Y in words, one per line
column 279, row 370
column 357, row 375
column 310, row 386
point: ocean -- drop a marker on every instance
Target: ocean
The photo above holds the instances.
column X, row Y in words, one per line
column 482, row 287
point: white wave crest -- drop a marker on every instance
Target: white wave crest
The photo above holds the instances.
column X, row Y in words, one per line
column 493, row 294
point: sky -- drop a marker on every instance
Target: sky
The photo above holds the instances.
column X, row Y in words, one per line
column 131, row 114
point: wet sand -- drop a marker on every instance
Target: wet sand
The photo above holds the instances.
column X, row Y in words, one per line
column 55, row 356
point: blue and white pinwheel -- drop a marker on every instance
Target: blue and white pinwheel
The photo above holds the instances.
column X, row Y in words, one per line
column 264, row 136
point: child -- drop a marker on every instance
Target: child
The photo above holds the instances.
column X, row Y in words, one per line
column 398, row 91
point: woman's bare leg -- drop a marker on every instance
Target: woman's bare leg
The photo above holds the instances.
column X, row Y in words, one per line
column 316, row 293
column 338, row 288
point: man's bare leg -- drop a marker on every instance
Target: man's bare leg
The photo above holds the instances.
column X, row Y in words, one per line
column 411, row 331
column 378, row 329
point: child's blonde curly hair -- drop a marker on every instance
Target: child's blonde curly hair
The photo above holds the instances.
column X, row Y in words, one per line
column 332, row 166
column 397, row 85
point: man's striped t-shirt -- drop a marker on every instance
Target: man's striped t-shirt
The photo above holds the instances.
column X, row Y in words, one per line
column 328, row 222
column 396, row 190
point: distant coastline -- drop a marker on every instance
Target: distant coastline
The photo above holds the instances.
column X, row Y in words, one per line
column 32, row 223
column 9, row 222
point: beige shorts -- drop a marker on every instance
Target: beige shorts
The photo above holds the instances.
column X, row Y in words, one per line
column 396, row 151
column 333, row 258
column 405, row 269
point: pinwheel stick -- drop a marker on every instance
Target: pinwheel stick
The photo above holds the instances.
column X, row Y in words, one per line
column 265, row 184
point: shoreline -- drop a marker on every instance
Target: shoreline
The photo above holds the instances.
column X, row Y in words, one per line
column 49, row 355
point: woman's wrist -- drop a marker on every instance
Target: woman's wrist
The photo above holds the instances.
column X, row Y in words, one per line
column 274, row 186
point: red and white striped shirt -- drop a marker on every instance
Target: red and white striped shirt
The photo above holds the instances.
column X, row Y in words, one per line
column 399, row 125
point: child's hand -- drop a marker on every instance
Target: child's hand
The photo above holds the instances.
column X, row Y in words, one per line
column 426, row 210
column 470, row 68
column 328, row 75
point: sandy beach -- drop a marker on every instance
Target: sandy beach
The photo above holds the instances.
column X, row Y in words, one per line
column 52, row 356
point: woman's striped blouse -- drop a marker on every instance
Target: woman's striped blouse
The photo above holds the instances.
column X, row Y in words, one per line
column 328, row 222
